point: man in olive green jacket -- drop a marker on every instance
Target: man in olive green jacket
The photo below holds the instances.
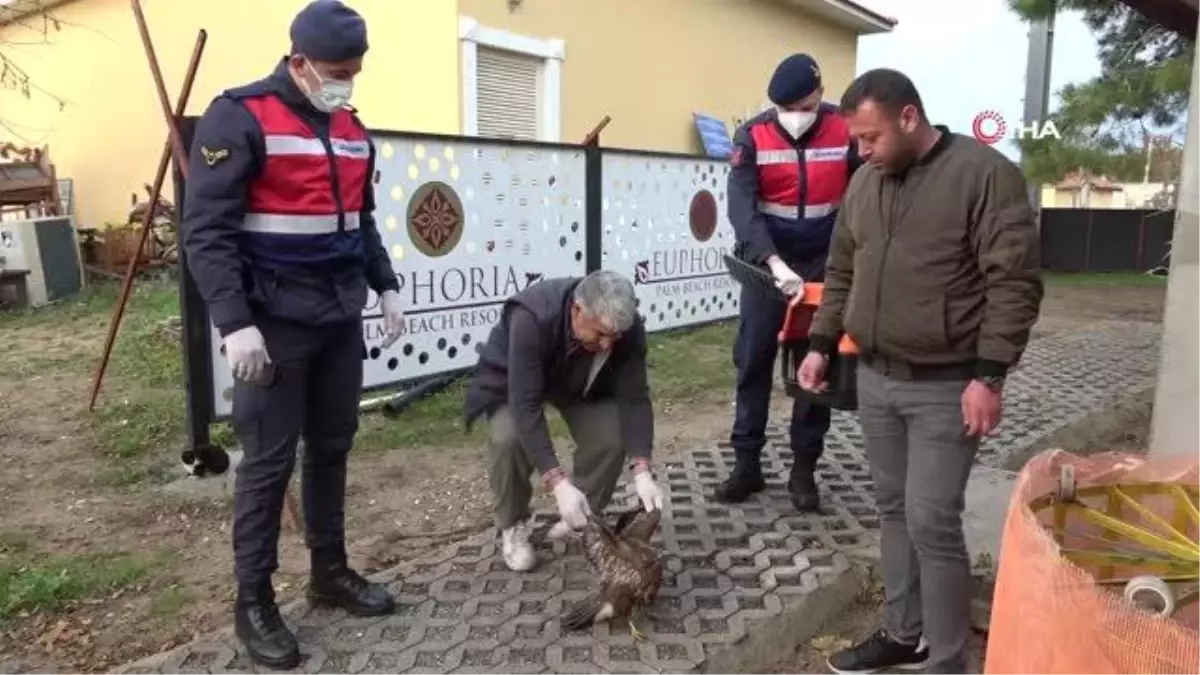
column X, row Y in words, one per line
column 934, row 271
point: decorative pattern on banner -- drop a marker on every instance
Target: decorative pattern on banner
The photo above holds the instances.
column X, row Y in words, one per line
column 467, row 225
column 665, row 225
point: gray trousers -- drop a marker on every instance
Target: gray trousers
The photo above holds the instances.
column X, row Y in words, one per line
column 599, row 458
column 920, row 461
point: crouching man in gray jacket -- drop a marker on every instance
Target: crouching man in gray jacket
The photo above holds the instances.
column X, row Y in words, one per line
column 579, row 345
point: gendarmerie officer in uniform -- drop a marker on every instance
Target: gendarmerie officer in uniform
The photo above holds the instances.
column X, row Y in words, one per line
column 281, row 241
column 790, row 167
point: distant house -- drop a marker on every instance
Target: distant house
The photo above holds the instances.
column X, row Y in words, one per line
column 1080, row 190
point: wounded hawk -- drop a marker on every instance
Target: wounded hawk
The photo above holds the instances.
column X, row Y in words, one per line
column 629, row 567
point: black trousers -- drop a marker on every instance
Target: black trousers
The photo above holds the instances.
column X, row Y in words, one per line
column 754, row 355
column 315, row 390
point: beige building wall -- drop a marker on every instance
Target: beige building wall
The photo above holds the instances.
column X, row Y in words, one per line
column 108, row 134
column 651, row 63
column 1135, row 195
column 1054, row 198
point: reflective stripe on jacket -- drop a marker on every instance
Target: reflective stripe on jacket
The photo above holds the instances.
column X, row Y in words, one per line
column 296, row 194
column 278, row 212
column 806, row 181
column 784, row 193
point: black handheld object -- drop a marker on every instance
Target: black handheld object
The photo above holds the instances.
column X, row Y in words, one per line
column 754, row 277
column 266, row 378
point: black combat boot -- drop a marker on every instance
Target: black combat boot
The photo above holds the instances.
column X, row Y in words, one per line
column 745, row 480
column 261, row 630
column 334, row 584
column 803, row 486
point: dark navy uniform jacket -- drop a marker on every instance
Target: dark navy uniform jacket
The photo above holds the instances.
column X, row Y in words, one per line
column 784, row 193
column 243, row 270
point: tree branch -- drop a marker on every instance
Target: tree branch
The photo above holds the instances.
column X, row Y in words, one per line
column 1142, row 90
column 12, row 76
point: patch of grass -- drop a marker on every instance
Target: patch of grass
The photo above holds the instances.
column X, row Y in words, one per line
column 169, row 602
column 67, row 336
column 47, row 585
column 222, row 434
column 147, row 351
column 1105, row 279
column 143, row 406
column 25, row 366
column 141, row 422
column 433, row 420
column 692, row 363
column 126, row 474
column 95, row 300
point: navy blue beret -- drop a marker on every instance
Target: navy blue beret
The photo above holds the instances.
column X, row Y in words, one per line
column 795, row 78
column 327, row 30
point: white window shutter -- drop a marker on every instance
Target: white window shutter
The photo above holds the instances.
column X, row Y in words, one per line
column 508, row 94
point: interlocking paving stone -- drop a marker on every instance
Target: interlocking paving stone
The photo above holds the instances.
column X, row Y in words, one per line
column 730, row 569
column 1067, row 376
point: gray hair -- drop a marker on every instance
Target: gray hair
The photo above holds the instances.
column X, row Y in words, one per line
column 608, row 296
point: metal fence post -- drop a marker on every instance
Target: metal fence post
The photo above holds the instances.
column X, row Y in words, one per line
column 593, row 207
column 197, row 375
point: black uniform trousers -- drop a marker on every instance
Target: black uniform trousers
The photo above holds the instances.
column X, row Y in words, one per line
column 314, row 391
column 754, row 354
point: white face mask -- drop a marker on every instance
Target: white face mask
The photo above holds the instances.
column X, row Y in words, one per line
column 795, row 122
column 332, row 94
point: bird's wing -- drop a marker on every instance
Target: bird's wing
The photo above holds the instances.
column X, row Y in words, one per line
column 641, row 525
column 609, row 602
column 651, row 580
column 593, row 547
column 597, row 538
column 628, row 566
column 619, row 581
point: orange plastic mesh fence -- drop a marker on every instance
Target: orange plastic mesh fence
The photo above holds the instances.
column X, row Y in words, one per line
column 1048, row 614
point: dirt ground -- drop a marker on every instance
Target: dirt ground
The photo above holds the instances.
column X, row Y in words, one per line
column 858, row 623
column 399, row 505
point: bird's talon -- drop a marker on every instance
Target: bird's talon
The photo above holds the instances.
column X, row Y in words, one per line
column 637, row 635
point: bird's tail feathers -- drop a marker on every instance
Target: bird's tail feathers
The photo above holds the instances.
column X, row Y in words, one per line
column 586, row 612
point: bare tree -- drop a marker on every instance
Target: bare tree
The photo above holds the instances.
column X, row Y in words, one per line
column 26, row 23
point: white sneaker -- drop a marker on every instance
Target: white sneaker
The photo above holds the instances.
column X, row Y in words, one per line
column 518, row 552
column 559, row 531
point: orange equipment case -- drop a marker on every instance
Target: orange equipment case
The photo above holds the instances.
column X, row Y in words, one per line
column 842, row 393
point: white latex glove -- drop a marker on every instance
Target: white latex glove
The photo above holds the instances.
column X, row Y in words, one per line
column 648, row 491
column 393, row 316
column 786, row 280
column 247, row 353
column 572, row 505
